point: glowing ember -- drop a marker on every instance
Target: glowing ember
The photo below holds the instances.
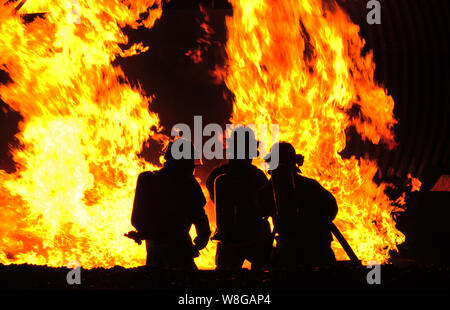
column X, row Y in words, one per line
column 298, row 63
column 415, row 183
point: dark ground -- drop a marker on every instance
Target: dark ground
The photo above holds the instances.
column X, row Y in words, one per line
column 342, row 285
column 340, row 277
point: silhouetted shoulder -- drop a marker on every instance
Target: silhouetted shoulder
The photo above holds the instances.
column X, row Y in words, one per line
column 310, row 184
column 144, row 179
column 146, row 174
column 258, row 172
column 319, row 196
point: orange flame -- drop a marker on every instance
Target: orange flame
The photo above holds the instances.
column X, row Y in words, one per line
column 299, row 64
column 415, row 183
column 83, row 126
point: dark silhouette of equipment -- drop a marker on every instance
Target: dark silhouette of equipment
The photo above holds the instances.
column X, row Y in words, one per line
column 347, row 248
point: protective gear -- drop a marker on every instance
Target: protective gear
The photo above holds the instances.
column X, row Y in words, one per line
column 286, row 155
column 302, row 211
column 167, row 203
column 242, row 229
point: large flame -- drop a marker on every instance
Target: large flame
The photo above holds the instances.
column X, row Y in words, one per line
column 83, row 126
column 291, row 62
column 299, row 64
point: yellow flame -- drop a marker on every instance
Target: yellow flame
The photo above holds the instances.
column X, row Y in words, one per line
column 83, row 126
column 299, row 64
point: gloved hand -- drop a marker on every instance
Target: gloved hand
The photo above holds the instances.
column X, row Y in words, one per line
column 136, row 236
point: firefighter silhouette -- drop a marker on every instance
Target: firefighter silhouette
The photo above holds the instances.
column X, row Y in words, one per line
column 243, row 231
column 167, row 202
column 302, row 211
